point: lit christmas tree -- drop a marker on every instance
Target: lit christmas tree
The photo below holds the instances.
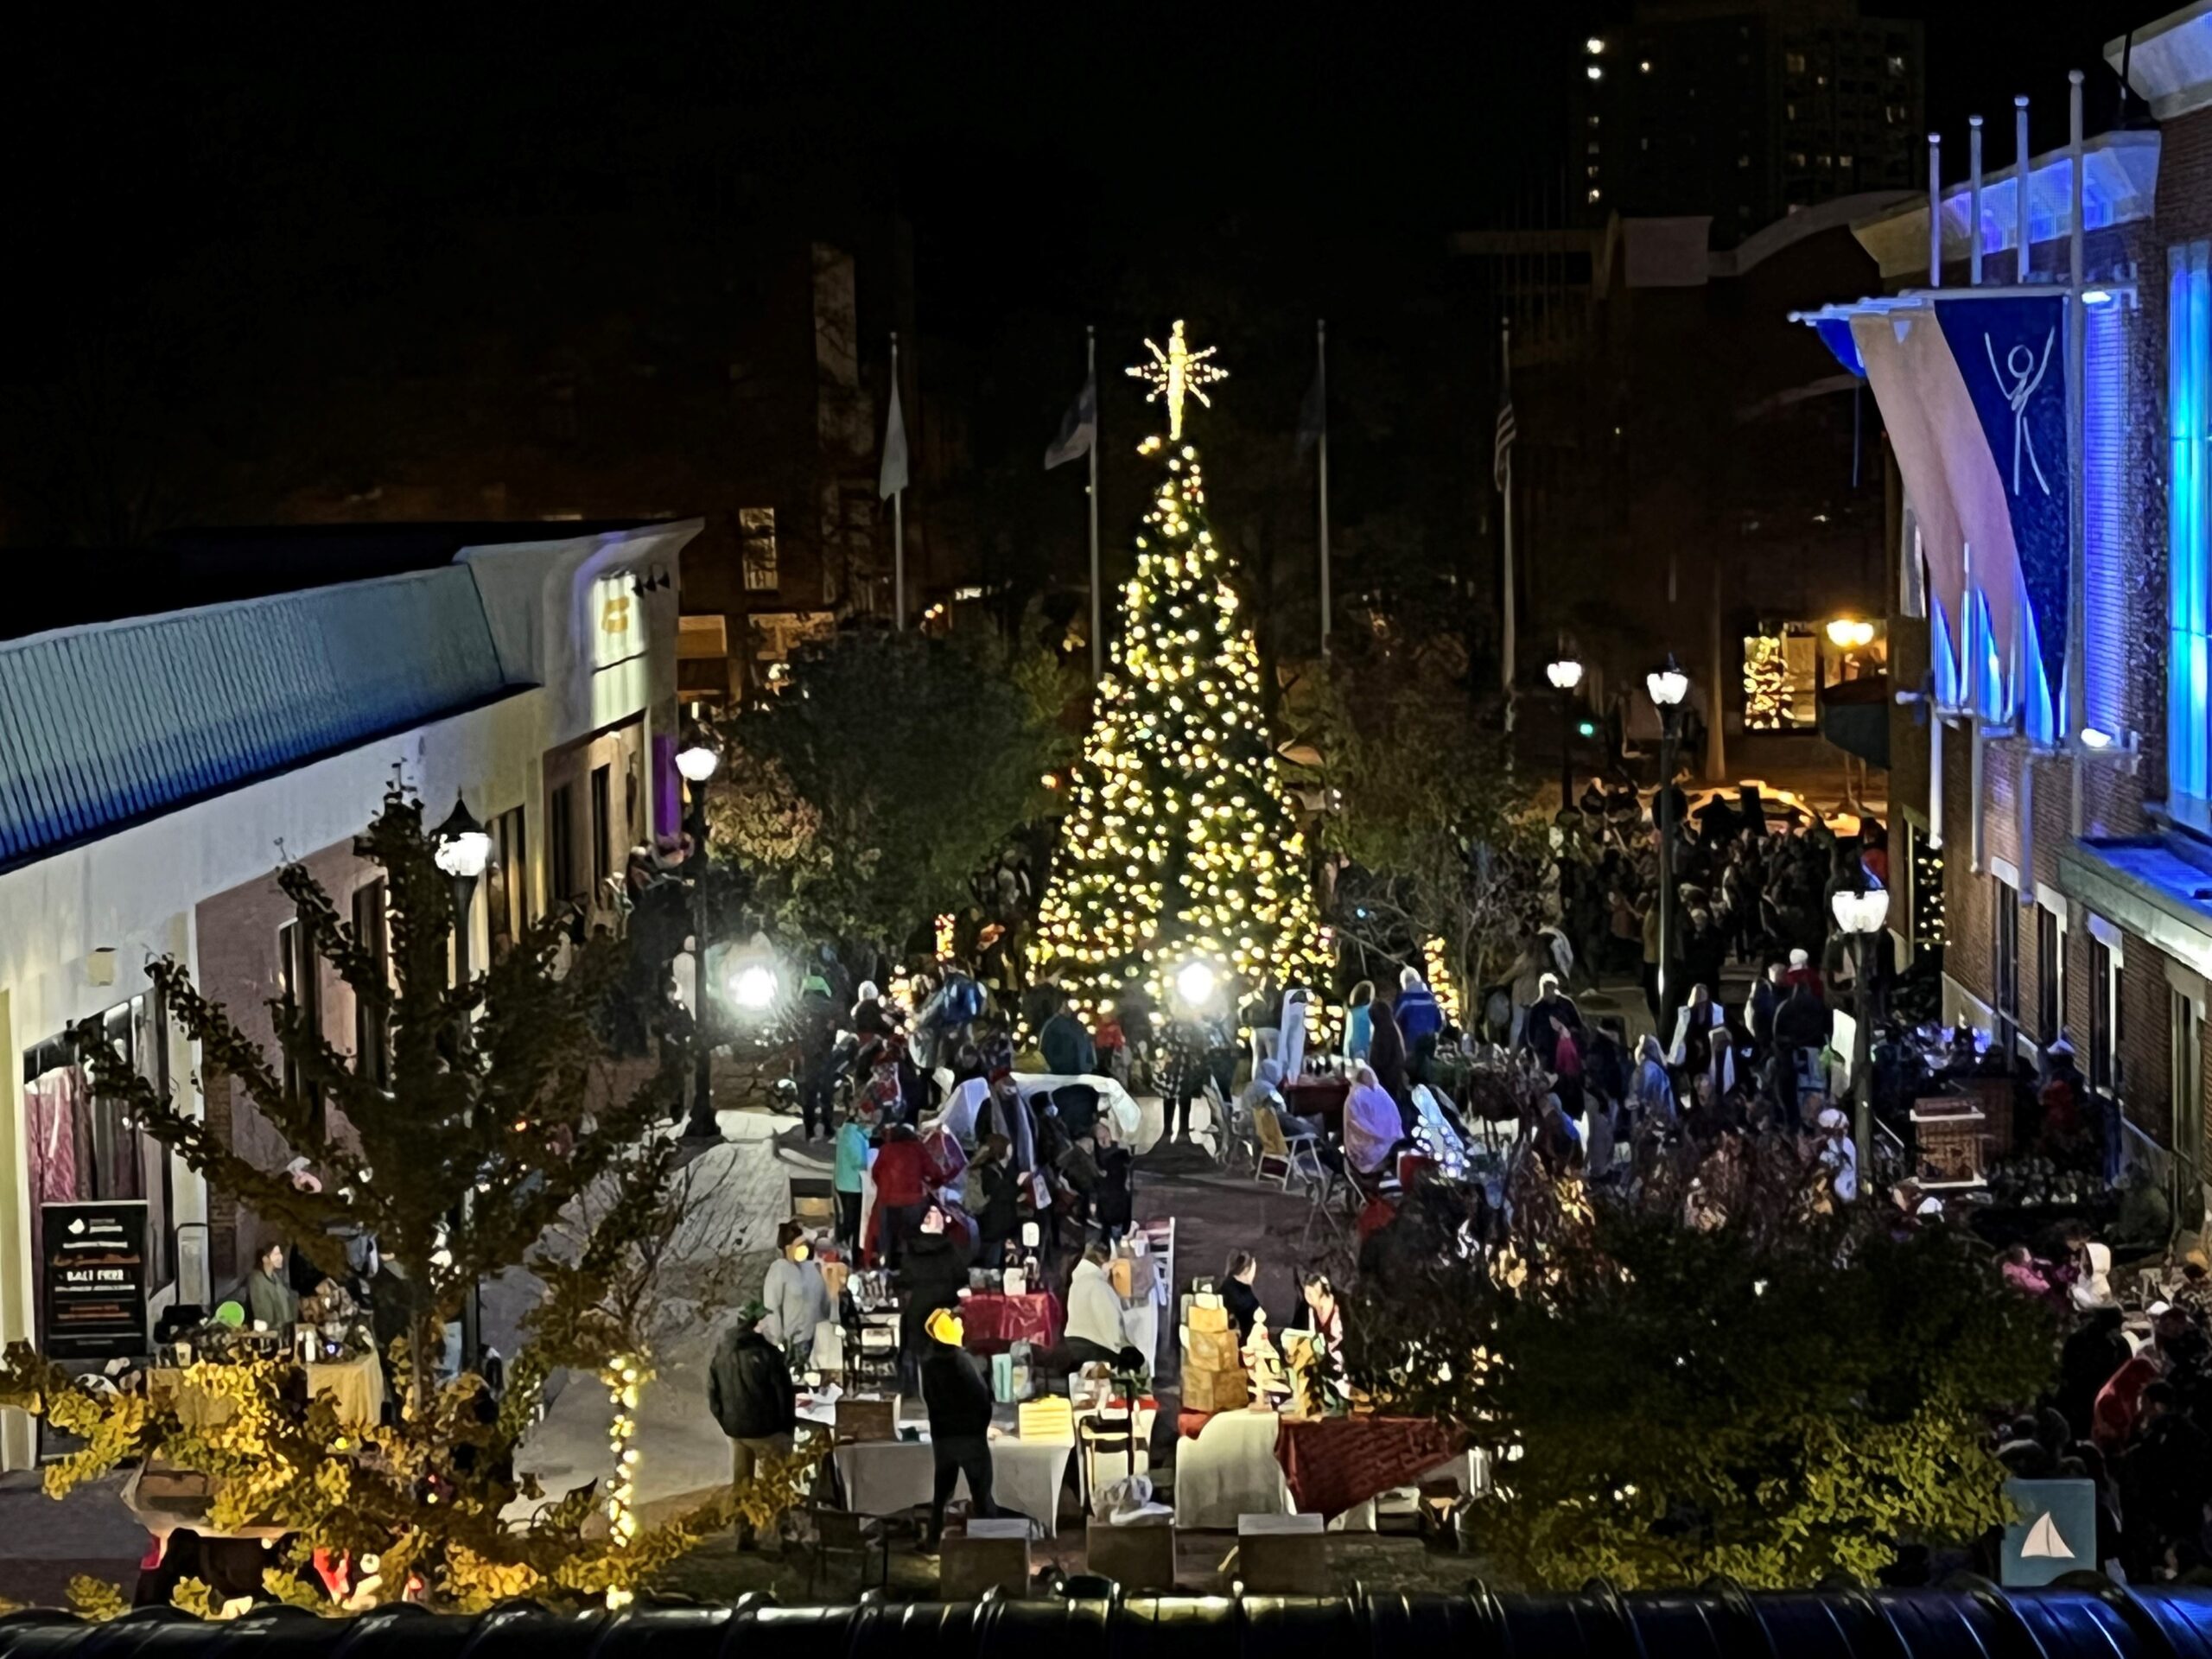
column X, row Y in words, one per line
column 1180, row 847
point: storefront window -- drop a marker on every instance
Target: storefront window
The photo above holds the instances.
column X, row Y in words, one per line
column 1786, row 665
column 81, row 1148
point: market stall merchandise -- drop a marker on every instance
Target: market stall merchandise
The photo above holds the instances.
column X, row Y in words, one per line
column 355, row 1386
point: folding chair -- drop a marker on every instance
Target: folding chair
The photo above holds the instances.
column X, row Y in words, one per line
column 1296, row 1155
column 824, row 1532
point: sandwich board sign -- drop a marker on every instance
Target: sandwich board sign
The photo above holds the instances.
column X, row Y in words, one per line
column 2056, row 1534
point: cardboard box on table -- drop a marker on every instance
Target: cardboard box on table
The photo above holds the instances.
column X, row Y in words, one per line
column 1216, row 1390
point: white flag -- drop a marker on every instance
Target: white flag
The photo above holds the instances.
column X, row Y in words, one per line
column 893, row 477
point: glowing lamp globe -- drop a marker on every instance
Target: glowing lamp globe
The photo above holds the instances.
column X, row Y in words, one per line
column 754, row 986
column 1668, row 685
column 1565, row 674
column 696, row 761
column 462, row 849
column 1195, row 983
column 1861, row 913
column 1848, row 634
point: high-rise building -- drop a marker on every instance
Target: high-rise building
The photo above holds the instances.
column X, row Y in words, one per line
column 1746, row 110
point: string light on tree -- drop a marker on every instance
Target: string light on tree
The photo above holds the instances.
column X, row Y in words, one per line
column 1180, row 847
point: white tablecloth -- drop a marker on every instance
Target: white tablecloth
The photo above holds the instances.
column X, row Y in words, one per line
column 1230, row 1469
column 885, row 1477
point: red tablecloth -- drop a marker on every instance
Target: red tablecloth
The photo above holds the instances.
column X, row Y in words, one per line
column 1319, row 1098
column 1334, row 1464
column 995, row 1322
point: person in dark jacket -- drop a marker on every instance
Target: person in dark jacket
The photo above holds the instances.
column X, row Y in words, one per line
column 1112, row 1203
column 1802, row 1019
column 1066, row 1044
column 1386, row 1047
column 2091, row 1353
column 816, row 1023
column 1238, row 1294
column 958, row 1401
column 996, row 1205
column 931, row 1274
column 749, row 1391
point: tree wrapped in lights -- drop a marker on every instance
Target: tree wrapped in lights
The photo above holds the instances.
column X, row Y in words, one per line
column 500, row 1136
column 1180, row 846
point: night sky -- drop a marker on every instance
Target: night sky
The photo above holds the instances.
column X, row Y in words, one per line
column 1306, row 161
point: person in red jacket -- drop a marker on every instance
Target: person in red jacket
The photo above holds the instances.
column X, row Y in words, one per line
column 2119, row 1403
column 901, row 1190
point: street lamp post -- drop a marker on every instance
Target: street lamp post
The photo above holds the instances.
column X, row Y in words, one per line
column 1565, row 675
column 1862, row 915
column 696, row 760
column 462, row 849
column 1668, row 687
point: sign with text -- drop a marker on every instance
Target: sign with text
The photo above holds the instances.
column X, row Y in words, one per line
column 95, row 1278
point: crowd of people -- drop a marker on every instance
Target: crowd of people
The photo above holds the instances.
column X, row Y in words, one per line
column 2132, row 1409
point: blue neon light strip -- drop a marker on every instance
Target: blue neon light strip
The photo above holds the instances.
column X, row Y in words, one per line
column 2188, row 363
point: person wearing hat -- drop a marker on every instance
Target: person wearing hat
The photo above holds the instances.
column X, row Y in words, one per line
column 958, row 1401
column 749, row 1391
column 1802, row 972
column 816, row 1020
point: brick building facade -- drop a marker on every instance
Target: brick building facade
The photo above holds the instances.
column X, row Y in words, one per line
column 2077, row 886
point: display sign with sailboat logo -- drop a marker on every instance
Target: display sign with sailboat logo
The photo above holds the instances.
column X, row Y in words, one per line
column 2056, row 1533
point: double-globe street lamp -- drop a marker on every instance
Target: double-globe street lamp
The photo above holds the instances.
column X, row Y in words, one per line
column 697, row 760
column 462, row 849
column 1862, row 915
column 1566, row 675
column 1668, row 687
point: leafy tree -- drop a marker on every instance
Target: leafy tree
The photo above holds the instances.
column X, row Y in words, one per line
column 1758, row 1383
column 1441, row 840
column 503, row 1123
column 866, row 795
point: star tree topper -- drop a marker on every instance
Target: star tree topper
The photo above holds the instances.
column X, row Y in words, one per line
column 1175, row 371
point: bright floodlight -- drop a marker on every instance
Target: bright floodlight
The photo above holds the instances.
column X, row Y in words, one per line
column 461, row 848
column 1194, row 983
column 1566, row 674
column 1668, row 685
column 696, row 761
column 1850, row 635
column 754, row 987
column 2094, row 738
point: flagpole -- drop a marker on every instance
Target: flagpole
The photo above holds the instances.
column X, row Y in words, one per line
column 897, row 518
column 1097, row 601
column 1506, row 491
column 1321, row 370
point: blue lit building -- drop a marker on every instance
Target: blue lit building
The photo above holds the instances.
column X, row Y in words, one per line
column 2050, row 619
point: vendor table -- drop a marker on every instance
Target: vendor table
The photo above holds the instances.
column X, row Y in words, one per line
column 1253, row 1462
column 1321, row 1099
column 995, row 1322
column 1335, row 1463
column 1229, row 1470
column 355, row 1386
column 887, row 1477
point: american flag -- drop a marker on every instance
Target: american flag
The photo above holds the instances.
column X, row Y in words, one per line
column 1501, row 466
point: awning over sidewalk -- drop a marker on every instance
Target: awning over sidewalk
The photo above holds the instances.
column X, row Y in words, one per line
column 2157, row 888
column 1855, row 717
column 1972, row 384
